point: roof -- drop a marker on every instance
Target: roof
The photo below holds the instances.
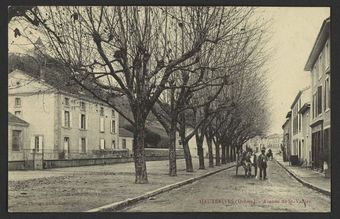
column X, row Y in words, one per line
column 285, row 123
column 298, row 96
column 14, row 120
column 289, row 114
column 304, row 108
column 318, row 45
column 52, row 73
column 125, row 133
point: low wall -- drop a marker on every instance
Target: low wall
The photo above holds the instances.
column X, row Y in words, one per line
column 150, row 154
column 20, row 165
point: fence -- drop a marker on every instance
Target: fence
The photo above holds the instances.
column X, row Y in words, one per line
column 53, row 159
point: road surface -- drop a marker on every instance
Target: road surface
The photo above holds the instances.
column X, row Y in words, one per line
column 226, row 192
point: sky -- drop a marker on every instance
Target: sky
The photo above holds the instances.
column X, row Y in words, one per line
column 293, row 32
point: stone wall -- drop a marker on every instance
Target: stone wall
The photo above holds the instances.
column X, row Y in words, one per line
column 151, row 155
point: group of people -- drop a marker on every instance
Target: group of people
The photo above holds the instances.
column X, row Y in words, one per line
column 249, row 159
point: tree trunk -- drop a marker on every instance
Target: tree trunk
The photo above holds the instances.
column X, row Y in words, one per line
column 210, row 152
column 234, row 153
column 187, row 155
column 228, row 153
column 223, row 154
column 199, row 143
column 217, row 151
column 139, row 153
column 172, row 148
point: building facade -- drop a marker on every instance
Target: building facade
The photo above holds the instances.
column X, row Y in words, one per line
column 17, row 141
column 126, row 140
column 62, row 125
column 305, row 135
column 286, row 146
column 274, row 140
column 318, row 64
column 300, row 140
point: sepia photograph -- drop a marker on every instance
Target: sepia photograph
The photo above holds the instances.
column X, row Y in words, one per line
column 169, row 109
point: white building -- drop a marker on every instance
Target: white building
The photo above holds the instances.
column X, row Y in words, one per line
column 62, row 124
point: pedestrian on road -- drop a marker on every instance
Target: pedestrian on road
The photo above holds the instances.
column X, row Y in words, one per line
column 262, row 161
column 270, row 154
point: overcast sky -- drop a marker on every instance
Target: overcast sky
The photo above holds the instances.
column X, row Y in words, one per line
column 293, row 32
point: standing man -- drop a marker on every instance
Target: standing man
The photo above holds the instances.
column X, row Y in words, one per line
column 262, row 161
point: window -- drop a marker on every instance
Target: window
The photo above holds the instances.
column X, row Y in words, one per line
column 17, row 102
column 67, row 145
column 327, row 54
column 327, row 94
column 102, row 144
column 113, row 113
column 313, row 105
column 321, row 64
column 318, row 70
column 101, row 124
column 113, row 126
column 67, row 101
column 295, row 120
column 67, row 119
column 300, row 121
column 37, row 143
column 82, row 106
column 17, row 113
column 319, row 100
column 101, row 111
column 113, row 144
column 16, row 140
column 83, row 121
column 124, row 143
column 82, row 145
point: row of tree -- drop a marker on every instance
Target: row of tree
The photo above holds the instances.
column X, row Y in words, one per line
column 198, row 70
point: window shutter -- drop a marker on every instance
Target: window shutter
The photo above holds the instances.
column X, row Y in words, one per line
column 40, row 143
column 86, row 145
column 32, row 143
column 111, row 126
column 79, row 120
column 101, row 123
column 70, row 119
column 63, row 118
column 80, row 145
column 86, row 124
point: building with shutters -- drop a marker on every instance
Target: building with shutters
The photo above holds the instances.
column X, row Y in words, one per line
column 287, row 135
column 318, row 64
column 126, row 140
column 63, row 124
column 18, row 141
column 300, row 140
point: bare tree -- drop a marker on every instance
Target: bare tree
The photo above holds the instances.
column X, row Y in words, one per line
column 128, row 52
